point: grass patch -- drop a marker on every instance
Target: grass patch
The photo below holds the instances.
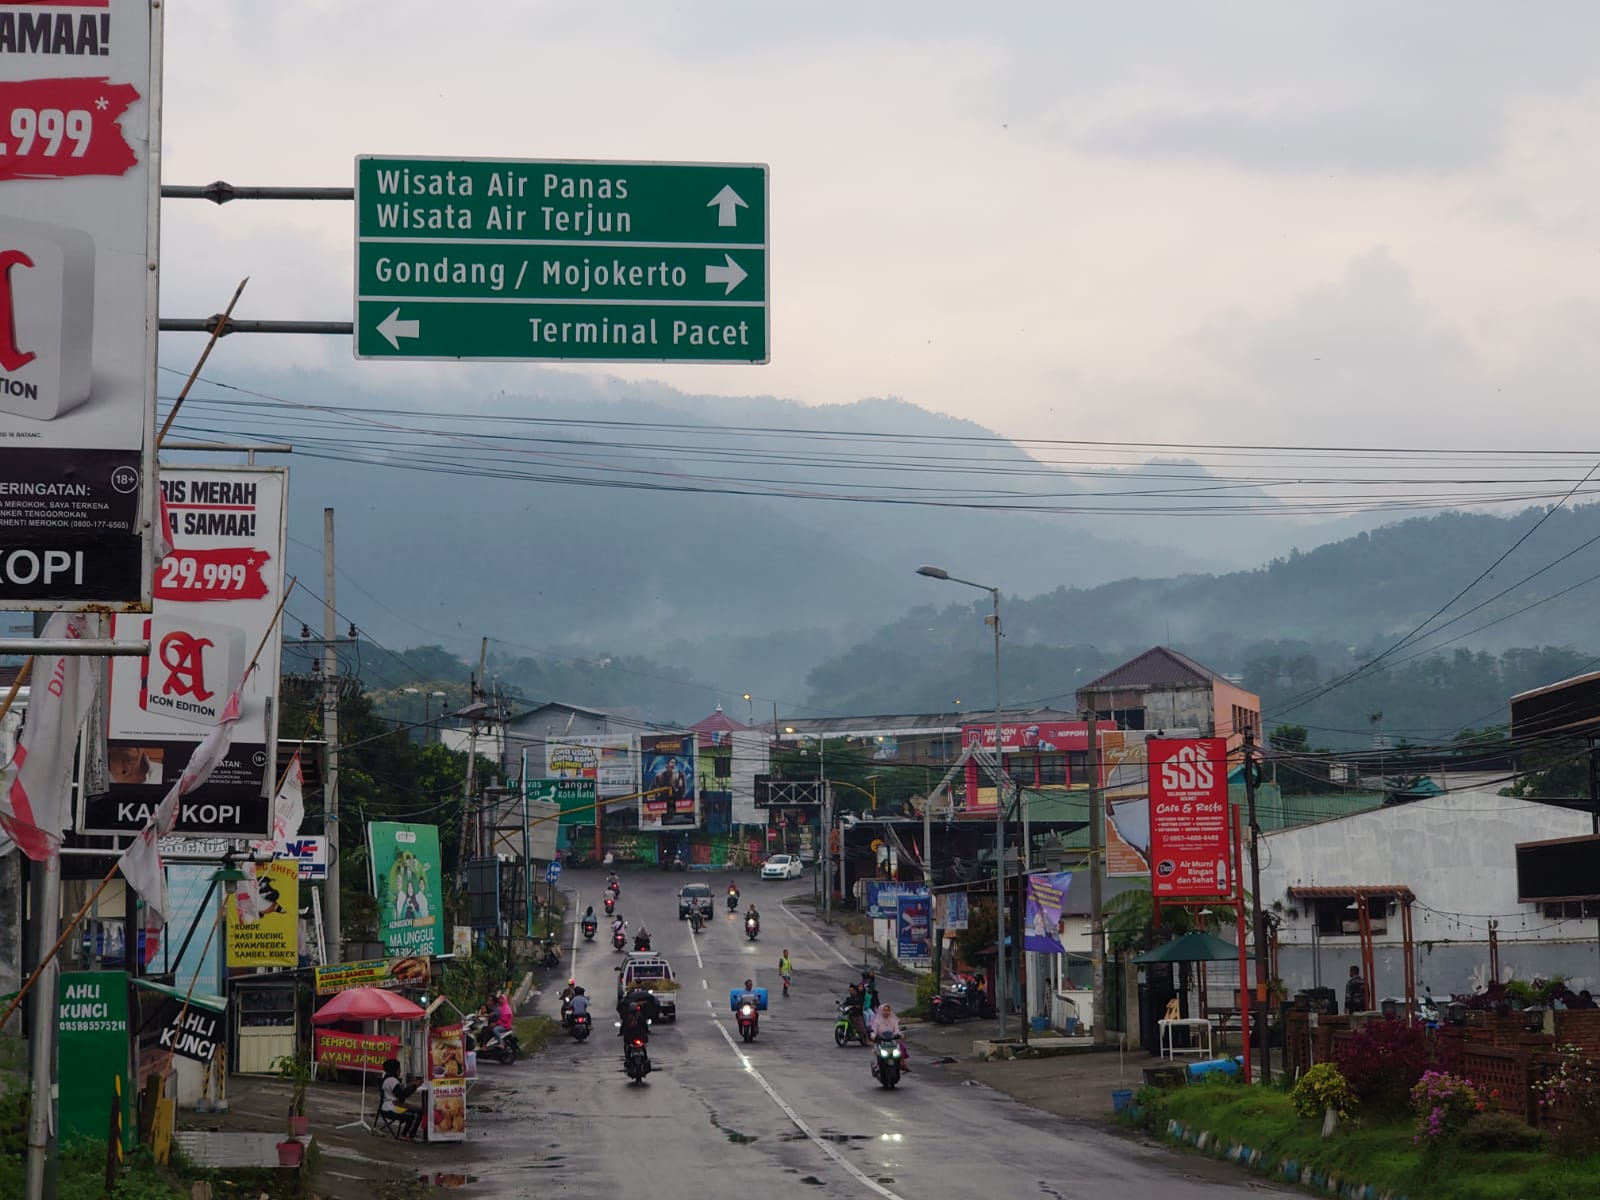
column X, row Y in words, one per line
column 535, row 1032
column 1378, row 1152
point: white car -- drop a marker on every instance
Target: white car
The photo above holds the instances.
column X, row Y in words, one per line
column 781, row 866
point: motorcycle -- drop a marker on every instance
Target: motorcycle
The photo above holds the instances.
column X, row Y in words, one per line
column 747, row 1022
column 958, row 1003
column 493, row 1041
column 588, row 931
column 580, row 1025
column 752, row 928
column 614, row 888
column 680, row 861
column 696, row 921
column 611, row 904
column 886, row 1060
column 847, row 1028
column 641, row 941
column 619, row 940
column 635, row 1058
column 733, row 899
column 549, row 954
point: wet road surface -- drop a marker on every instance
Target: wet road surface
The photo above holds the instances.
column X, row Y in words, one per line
column 718, row 1118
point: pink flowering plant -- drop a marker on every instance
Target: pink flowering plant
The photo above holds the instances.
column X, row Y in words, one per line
column 1569, row 1098
column 1443, row 1103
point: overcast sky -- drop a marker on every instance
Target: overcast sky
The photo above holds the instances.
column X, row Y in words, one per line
column 1316, row 223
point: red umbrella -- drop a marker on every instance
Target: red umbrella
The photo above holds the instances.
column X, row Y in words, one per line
column 367, row 1004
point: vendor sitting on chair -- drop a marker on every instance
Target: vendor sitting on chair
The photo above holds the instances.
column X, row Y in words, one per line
column 394, row 1093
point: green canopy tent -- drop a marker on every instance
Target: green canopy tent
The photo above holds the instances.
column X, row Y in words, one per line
column 1195, row 946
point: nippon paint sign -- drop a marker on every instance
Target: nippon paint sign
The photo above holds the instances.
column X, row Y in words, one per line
column 79, row 235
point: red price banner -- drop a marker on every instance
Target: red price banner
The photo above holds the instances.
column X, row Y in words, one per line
column 233, row 573
column 59, row 128
column 1189, row 818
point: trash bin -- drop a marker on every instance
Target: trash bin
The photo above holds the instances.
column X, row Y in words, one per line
column 1121, row 1099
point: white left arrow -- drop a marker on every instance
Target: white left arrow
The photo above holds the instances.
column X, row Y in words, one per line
column 732, row 274
column 393, row 328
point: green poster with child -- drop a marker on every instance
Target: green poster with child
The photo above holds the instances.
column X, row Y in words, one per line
column 406, row 879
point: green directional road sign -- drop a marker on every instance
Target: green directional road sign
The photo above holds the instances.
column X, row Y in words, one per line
column 542, row 259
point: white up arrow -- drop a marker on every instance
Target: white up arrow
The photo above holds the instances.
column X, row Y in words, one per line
column 732, row 274
column 393, row 328
column 727, row 202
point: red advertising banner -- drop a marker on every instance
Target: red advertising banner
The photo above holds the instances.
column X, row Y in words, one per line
column 355, row 1051
column 223, row 573
column 1189, row 847
column 64, row 127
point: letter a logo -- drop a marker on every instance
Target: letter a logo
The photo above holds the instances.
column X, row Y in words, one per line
column 184, row 657
column 11, row 357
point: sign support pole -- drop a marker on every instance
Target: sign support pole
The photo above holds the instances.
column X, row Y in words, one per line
column 1258, row 921
column 330, row 732
column 43, row 1031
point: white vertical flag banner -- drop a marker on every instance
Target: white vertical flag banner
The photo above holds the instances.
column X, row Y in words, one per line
column 141, row 862
column 36, row 786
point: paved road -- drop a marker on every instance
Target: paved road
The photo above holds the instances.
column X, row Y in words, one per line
column 718, row 1119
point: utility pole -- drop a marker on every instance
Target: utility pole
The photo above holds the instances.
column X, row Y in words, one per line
column 330, row 733
column 1097, row 925
column 474, row 710
column 1258, row 922
column 42, row 1029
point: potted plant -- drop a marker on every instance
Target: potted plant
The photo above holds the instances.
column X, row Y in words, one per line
column 298, row 1072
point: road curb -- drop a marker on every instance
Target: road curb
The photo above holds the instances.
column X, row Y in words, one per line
column 1287, row 1170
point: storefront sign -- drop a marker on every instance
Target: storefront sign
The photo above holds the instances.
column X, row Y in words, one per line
column 310, row 856
column 406, row 881
column 389, row 973
column 196, row 1033
column 93, row 1055
column 355, row 1051
column 950, row 911
column 274, row 940
column 608, row 760
column 216, row 598
column 81, row 88
column 1189, row 818
column 447, row 1084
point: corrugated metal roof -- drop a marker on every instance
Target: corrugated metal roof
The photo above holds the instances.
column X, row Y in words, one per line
column 1156, row 667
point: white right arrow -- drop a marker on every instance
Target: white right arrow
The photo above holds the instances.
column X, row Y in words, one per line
column 732, row 274
column 393, row 328
column 727, row 202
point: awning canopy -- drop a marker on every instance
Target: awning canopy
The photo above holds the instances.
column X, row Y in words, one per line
column 214, row 1004
column 1387, row 891
column 1194, row 946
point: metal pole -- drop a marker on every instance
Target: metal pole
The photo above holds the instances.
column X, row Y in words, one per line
column 999, row 832
column 330, row 733
column 1258, row 920
column 43, row 1029
column 827, row 817
column 1097, row 925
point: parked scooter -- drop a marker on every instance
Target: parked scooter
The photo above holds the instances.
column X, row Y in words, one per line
column 957, row 1003
column 886, row 1059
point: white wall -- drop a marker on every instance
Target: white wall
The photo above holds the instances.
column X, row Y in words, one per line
column 1457, row 855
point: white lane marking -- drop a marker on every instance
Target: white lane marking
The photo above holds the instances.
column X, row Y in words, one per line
column 704, row 987
column 803, row 925
column 799, row 1123
column 577, row 926
column 695, row 942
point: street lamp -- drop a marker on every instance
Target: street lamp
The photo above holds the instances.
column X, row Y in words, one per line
column 999, row 799
column 751, row 705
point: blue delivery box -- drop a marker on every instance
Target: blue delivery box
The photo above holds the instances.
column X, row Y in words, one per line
column 735, row 993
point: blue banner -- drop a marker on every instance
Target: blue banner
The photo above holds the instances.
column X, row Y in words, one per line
column 883, row 899
column 914, row 928
column 1042, row 919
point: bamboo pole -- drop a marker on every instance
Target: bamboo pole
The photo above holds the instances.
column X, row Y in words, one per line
column 222, row 323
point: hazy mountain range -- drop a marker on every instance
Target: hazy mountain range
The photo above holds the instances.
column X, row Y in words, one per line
column 763, row 546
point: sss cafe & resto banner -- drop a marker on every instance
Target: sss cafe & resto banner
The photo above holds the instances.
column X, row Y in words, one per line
column 79, row 234
column 667, row 762
column 216, row 597
column 274, row 940
column 406, row 881
column 1189, row 817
